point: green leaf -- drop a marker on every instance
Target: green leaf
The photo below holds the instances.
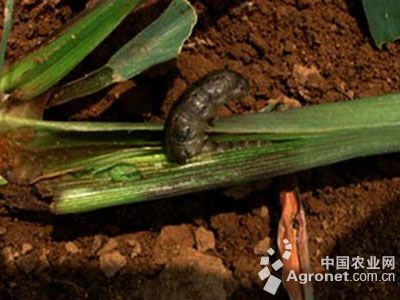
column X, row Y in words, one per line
column 383, row 19
column 42, row 69
column 8, row 13
column 372, row 112
column 161, row 41
column 120, row 163
column 213, row 170
column 8, row 122
column 3, row 181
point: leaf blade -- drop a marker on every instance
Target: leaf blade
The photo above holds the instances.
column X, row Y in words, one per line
column 383, row 19
column 161, row 41
column 40, row 70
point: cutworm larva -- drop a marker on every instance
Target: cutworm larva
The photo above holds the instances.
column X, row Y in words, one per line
column 186, row 123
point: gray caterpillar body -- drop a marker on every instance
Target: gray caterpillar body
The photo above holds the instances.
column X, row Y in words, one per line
column 189, row 117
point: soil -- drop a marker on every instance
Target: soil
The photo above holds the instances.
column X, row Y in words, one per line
column 208, row 245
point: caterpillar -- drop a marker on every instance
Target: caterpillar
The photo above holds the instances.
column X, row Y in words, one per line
column 196, row 108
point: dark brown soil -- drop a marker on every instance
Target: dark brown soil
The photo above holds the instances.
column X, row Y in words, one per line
column 207, row 245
